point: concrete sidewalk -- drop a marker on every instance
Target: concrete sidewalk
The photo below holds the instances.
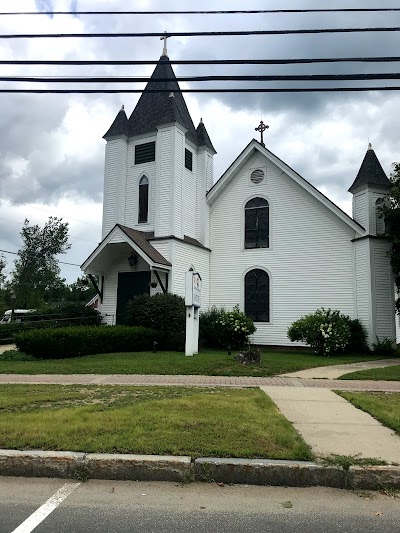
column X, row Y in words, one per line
column 336, row 371
column 333, row 426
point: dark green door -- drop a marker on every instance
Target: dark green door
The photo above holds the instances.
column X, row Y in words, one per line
column 130, row 284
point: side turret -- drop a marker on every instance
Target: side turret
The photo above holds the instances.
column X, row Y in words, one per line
column 370, row 185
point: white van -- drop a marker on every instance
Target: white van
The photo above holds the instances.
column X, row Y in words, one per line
column 18, row 315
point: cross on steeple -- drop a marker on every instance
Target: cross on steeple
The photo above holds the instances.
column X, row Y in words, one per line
column 164, row 38
column 261, row 128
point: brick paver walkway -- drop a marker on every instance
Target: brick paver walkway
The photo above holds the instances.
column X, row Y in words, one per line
column 198, row 381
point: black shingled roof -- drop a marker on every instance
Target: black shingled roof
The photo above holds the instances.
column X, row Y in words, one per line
column 156, row 108
column 203, row 138
column 370, row 173
column 119, row 126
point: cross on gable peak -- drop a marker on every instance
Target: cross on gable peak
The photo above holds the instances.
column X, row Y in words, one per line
column 261, row 128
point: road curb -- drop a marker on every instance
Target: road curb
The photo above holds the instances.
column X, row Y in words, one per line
column 269, row 472
column 81, row 466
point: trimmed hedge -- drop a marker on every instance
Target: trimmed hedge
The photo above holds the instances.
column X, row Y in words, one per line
column 165, row 313
column 59, row 343
column 8, row 331
column 69, row 314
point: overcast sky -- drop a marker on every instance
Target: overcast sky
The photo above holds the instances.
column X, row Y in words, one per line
column 51, row 146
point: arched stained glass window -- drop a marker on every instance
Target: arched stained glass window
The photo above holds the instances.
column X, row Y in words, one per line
column 143, row 199
column 256, row 295
column 256, row 214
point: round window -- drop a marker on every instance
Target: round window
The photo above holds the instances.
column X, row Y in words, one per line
column 257, row 176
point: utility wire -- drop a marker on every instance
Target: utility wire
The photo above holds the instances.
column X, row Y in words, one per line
column 383, row 59
column 129, row 79
column 46, row 211
column 217, row 90
column 69, row 236
column 16, row 253
column 219, row 12
column 196, row 33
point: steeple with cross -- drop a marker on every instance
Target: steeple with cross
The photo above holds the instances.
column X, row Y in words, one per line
column 261, row 128
column 164, row 38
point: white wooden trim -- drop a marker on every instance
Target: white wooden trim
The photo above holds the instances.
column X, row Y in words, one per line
column 133, row 245
column 246, row 154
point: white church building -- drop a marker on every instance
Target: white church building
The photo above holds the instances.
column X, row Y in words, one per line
column 261, row 237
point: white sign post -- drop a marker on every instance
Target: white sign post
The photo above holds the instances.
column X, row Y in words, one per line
column 193, row 303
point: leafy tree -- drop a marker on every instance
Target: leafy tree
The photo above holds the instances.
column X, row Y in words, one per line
column 36, row 277
column 3, row 265
column 80, row 290
column 390, row 211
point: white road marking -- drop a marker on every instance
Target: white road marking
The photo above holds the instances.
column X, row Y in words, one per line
column 43, row 512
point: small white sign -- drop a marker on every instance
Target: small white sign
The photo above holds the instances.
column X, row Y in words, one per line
column 193, row 289
column 196, row 289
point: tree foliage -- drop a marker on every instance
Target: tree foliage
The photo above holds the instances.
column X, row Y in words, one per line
column 36, row 276
column 390, row 211
column 3, row 265
column 80, row 290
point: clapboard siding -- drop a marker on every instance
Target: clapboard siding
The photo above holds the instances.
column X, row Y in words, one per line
column 209, row 171
column 360, row 210
column 134, row 173
column 310, row 259
column 362, row 286
column 114, row 183
column 164, row 199
column 163, row 247
column 177, row 176
column 189, row 200
column 184, row 256
column 384, row 291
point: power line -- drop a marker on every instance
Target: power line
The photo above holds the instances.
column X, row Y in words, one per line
column 219, row 12
column 70, row 236
column 46, row 211
column 196, row 33
column 130, row 79
column 62, row 262
column 216, row 90
column 382, row 59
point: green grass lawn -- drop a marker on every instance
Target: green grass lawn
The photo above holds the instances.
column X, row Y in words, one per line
column 384, row 406
column 149, row 420
column 390, row 373
column 209, row 362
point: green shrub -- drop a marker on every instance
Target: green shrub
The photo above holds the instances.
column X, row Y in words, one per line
column 384, row 346
column 8, row 331
column 15, row 355
column 165, row 313
column 358, row 338
column 69, row 314
column 326, row 331
column 210, row 327
column 220, row 328
column 58, row 343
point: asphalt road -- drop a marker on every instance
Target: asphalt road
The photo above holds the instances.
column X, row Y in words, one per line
column 122, row 507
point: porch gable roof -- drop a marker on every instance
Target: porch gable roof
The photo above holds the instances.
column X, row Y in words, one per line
column 139, row 240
